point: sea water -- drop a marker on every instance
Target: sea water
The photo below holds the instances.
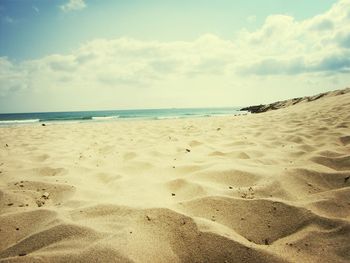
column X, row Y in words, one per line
column 85, row 116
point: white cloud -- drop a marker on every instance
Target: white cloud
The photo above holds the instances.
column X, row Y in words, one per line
column 12, row 78
column 72, row 5
column 283, row 58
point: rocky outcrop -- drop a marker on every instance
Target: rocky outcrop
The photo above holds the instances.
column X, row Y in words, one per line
column 286, row 103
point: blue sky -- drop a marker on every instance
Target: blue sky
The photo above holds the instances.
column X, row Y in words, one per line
column 32, row 28
column 97, row 54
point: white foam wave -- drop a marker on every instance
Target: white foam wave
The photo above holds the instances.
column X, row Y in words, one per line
column 168, row 117
column 105, row 118
column 19, row 121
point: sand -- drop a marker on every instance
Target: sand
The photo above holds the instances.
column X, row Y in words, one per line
column 270, row 187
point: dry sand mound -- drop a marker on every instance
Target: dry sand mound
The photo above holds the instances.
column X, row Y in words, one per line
column 273, row 187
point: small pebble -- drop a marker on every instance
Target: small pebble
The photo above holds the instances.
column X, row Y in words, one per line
column 45, row 195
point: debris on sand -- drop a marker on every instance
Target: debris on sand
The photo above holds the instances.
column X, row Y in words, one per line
column 45, row 195
column 40, row 202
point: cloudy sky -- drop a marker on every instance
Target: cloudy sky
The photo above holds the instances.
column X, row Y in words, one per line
column 108, row 54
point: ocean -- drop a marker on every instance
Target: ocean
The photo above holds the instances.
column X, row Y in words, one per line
column 86, row 116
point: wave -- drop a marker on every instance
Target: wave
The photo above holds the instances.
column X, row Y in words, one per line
column 18, row 121
column 136, row 117
column 67, row 118
column 105, row 118
column 168, row 117
column 108, row 116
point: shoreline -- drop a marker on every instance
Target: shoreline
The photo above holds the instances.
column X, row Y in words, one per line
column 47, row 123
column 99, row 116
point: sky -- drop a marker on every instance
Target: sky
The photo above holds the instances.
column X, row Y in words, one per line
column 65, row 55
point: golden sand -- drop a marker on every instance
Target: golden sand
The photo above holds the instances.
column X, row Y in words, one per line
column 270, row 187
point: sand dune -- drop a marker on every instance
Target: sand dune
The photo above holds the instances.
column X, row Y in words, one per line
column 272, row 187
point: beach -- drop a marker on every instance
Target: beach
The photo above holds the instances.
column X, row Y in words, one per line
column 267, row 187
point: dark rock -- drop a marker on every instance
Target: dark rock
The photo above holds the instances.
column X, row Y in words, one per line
column 346, row 179
column 266, row 241
column 285, row 103
column 188, row 150
column 254, row 109
column 43, row 124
